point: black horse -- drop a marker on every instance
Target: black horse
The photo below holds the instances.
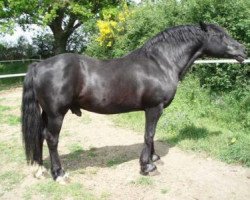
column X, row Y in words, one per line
column 146, row 79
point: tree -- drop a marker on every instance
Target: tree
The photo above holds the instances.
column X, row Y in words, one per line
column 44, row 45
column 63, row 17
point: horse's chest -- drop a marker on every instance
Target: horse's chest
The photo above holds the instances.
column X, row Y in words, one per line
column 160, row 94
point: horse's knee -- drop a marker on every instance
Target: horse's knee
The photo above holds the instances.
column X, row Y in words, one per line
column 52, row 140
column 149, row 140
column 51, row 132
column 52, row 143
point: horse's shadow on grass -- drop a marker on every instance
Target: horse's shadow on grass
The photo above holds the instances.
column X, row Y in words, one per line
column 192, row 132
column 107, row 156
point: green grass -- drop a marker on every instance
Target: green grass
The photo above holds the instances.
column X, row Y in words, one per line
column 13, row 120
column 143, row 181
column 7, row 118
column 76, row 151
column 105, row 195
column 203, row 122
column 76, row 147
column 12, row 68
column 4, row 108
column 11, row 152
column 92, row 153
column 52, row 190
column 85, row 118
column 164, row 190
column 8, row 180
column 115, row 161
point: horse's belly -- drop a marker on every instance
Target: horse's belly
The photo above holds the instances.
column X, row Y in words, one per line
column 110, row 105
column 110, row 109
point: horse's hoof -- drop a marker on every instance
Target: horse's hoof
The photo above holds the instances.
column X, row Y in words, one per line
column 159, row 162
column 41, row 172
column 146, row 169
column 58, row 172
column 155, row 157
column 63, row 180
column 154, row 173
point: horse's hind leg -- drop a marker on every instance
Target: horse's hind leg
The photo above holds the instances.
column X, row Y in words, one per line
column 52, row 135
column 39, row 156
column 148, row 154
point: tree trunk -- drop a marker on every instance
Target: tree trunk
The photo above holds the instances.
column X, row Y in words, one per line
column 61, row 35
column 60, row 44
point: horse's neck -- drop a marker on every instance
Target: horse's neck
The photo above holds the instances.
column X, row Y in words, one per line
column 180, row 57
column 190, row 54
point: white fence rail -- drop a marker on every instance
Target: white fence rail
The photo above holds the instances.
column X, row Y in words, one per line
column 228, row 61
column 21, row 60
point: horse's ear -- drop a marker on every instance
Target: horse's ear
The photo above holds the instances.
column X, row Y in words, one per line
column 203, row 26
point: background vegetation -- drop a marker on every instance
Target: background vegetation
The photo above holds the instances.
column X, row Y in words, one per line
column 211, row 111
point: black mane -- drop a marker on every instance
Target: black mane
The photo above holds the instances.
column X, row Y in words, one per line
column 174, row 36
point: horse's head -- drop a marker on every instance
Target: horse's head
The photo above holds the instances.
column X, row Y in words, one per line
column 219, row 44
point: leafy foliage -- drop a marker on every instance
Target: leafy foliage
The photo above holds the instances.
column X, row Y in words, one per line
column 18, row 51
column 112, row 24
column 234, row 16
column 62, row 17
column 143, row 23
column 43, row 45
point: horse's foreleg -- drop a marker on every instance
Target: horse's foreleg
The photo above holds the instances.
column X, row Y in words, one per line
column 148, row 155
column 52, row 135
column 154, row 156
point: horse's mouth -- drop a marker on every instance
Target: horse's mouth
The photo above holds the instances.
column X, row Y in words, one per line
column 240, row 58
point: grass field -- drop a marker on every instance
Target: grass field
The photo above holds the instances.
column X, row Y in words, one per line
column 218, row 125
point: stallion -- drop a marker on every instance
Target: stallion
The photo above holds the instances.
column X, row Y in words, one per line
column 144, row 80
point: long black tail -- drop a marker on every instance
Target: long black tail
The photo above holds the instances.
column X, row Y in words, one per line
column 32, row 125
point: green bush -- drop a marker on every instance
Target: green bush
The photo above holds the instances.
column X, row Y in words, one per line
column 234, row 16
column 145, row 22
